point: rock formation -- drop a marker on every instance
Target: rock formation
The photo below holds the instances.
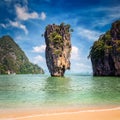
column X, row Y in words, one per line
column 105, row 53
column 58, row 48
column 14, row 60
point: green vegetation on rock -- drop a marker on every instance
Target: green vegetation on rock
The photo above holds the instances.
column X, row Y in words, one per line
column 14, row 60
column 58, row 48
column 105, row 52
column 98, row 49
column 55, row 37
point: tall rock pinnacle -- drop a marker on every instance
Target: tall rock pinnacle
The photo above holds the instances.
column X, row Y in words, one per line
column 58, row 48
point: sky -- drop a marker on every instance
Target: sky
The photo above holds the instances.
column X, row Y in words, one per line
column 25, row 22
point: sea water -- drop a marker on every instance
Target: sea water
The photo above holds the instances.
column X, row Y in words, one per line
column 19, row 91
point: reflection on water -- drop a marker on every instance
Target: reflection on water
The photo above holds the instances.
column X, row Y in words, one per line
column 42, row 90
column 56, row 89
column 57, row 85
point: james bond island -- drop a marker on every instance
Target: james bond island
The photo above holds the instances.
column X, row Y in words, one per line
column 105, row 53
column 58, row 48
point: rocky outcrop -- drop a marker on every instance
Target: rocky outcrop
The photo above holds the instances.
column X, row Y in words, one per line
column 13, row 59
column 105, row 53
column 58, row 48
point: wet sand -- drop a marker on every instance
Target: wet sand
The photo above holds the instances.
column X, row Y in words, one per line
column 104, row 113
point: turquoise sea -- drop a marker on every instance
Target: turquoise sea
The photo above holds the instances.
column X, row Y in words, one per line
column 19, row 91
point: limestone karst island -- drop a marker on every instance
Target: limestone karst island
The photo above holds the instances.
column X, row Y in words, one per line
column 105, row 53
column 59, row 59
column 13, row 60
column 58, row 48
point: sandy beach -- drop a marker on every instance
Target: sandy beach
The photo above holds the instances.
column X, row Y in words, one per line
column 104, row 113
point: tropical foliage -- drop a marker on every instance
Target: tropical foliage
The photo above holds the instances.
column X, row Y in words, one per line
column 13, row 59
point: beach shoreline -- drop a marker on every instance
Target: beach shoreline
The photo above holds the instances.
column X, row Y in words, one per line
column 93, row 113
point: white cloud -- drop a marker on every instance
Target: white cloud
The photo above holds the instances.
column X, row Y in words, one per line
column 88, row 34
column 39, row 49
column 112, row 14
column 23, row 14
column 3, row 25
column 110, row 18
column 39, row 59
column 83, row 66
column 18, row 37
column 79, row 61
column 19, row 25
column 107, row 9
column 75, row 53
column 16, row 24
column 43, row 16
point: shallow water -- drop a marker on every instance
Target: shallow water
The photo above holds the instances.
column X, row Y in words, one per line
column 19, row 91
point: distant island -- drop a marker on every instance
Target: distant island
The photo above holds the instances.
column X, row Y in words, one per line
column 13, row 60
column 58, row 48
column 105, row 53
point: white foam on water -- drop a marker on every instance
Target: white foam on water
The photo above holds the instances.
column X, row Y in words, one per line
column 63, row 113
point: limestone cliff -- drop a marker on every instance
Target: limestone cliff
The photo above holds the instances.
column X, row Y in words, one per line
column 14, row 60
column 58, row 48
column 105, row 53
